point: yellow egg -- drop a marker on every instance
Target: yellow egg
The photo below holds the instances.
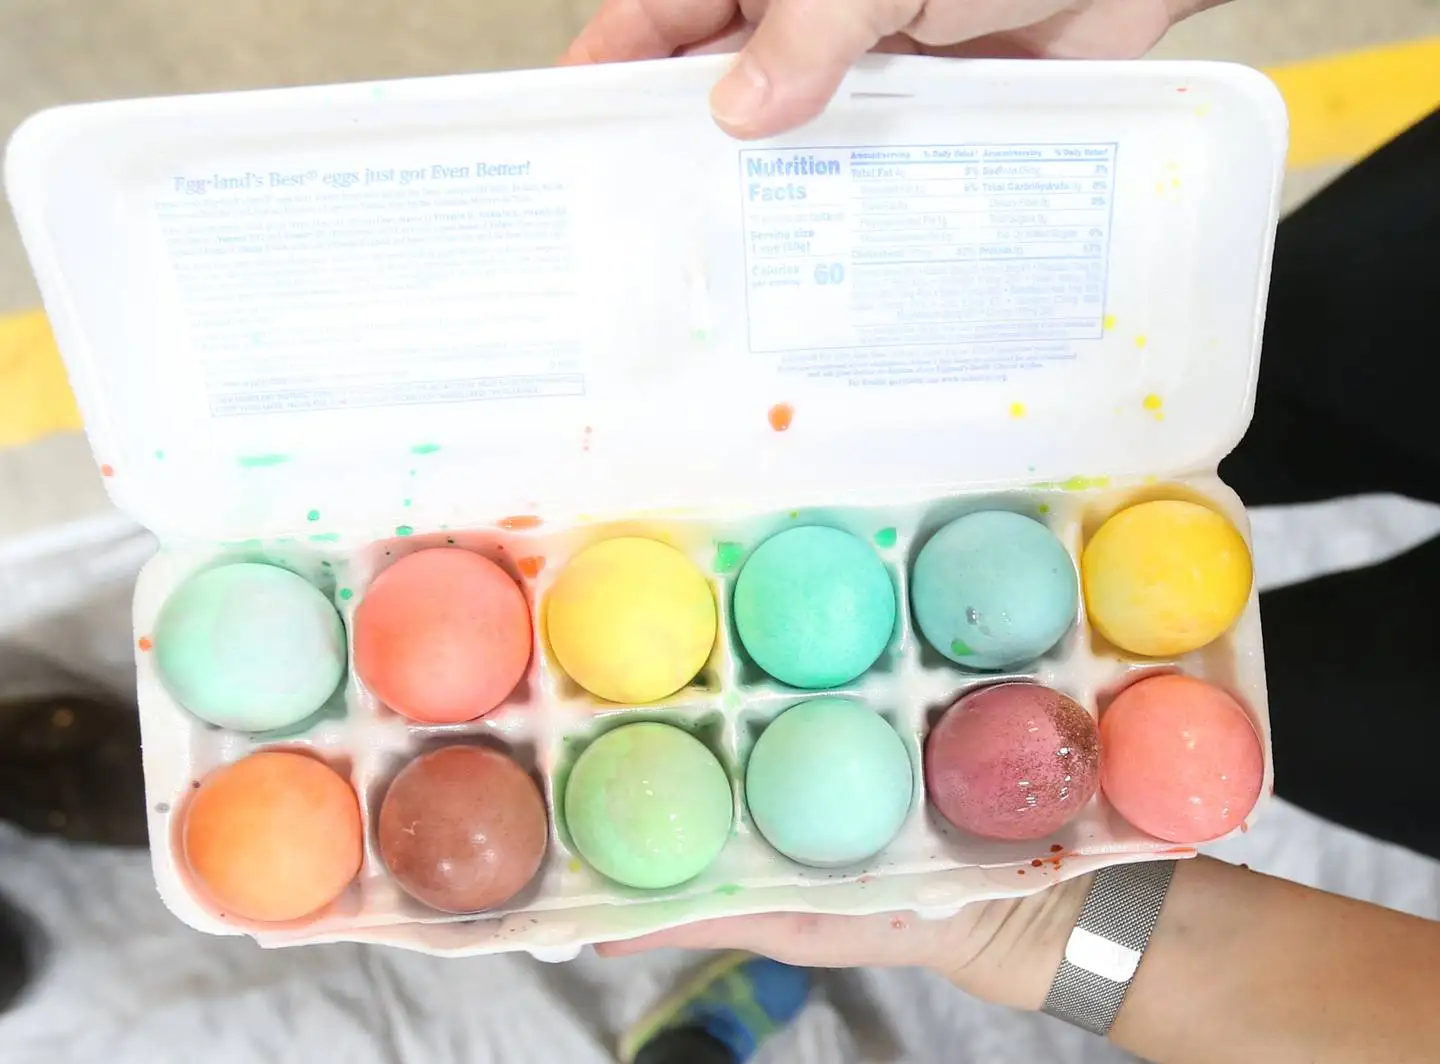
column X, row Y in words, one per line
column 1165, row 578
column 631, row 620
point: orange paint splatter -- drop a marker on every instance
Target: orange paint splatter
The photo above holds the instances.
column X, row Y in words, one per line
column 781, row 415
column 145, row 643
column 531, row 566
column 1019, row 871
column 1057, row 848
column 1244, row 828
column 1180, row 851
column 1036, row 863
column 107, row 470
column 519, row 523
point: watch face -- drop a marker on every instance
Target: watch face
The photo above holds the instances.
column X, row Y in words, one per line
column 1110, row 960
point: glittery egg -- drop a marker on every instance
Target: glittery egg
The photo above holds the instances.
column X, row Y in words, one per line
column 1015, row 761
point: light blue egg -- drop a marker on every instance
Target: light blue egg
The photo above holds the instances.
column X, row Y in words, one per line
column 250, row 647
column 829, row 783
column 814, row 607
column 994, row 590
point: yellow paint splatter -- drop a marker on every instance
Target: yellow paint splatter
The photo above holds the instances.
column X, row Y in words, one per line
column 1080, row 483
column 1142, row 340
column 1202, row 110
column 1151, row 478
column 1109, row 322
column 1174, row 182
column 1153, row 402
column 574, row 865
column 1017, row 409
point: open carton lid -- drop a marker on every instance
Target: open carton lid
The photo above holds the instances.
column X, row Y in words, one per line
column 338, row 310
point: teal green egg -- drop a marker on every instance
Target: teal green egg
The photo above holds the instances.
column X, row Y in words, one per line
column 994, row 590
column 829, row 783
column 649, row 806
column 814, row 607
column 249, row 647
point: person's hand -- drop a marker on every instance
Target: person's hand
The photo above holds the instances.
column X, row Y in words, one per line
column 1003, row 951
column 795, row 52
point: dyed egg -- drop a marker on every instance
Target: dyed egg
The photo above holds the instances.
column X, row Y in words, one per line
column 273, row 837
column 1165, row 578
column 1016, row 761
column 814, row 607
column 462, row 829
column 250, row 647
column 829, row 783
column 1182, row 760
column 442, row 636
column 993, row 590
column 631, row 620
column 648, row 806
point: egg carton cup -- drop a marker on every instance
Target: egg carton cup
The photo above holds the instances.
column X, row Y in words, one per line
column 930, row 868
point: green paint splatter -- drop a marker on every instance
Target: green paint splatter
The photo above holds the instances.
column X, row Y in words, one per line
column 404, row 530
column 325, row 537
column 1043, row 508
column 261, row 461
column 727, row 556
column 412, row 472
column 323, row 564
column 313, row 515
column 885, row 538
column 425, row 448
column 346, row 594
column 1084, row 483
column 959, row 649
column 405, row 502
column 159, row 456
column 794, row 515
column 729, row 890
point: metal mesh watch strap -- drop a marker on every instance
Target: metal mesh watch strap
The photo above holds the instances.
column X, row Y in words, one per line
column 1106, row 945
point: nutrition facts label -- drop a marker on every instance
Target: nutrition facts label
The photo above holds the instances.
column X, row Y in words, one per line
column 856, row 248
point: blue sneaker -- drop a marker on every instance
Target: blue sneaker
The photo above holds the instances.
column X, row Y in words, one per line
column 722, row 1015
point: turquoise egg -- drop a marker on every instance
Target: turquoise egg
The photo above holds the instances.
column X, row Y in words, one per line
column 829, row 783
column 814, row 607
column 994, row 590
column 249, row 647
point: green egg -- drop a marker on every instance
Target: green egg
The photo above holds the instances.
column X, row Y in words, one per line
column 814, row 607
column 649, row 806
column 250, row 647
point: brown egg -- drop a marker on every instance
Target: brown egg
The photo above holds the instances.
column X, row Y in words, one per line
column 463, row 829
column 275, row 836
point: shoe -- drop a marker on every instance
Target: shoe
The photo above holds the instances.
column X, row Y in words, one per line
column 71, row 768
column 722, row 1015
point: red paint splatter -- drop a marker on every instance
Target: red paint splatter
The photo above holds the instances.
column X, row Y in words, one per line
column 864, row 879
column 1056, row 848
column 1036, row 863
column 1180, row 851
column 1183, row 88
column 1019, row 871
column 144, row 643
column 531, row 566
column 898, row 924
column 519, row 522
column 781, row 415
column 107, row 470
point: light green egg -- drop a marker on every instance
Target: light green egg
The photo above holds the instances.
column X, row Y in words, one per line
column 250, row 647
column 649, row 806
column 829, row 783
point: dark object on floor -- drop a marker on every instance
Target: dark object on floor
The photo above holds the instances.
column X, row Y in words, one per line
column 20, row 943
column 71, row 768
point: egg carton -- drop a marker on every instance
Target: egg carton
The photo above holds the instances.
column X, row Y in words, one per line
column 930, row 867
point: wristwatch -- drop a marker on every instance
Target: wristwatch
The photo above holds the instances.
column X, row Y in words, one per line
column 1106, row 945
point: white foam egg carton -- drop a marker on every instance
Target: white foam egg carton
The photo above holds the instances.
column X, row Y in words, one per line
column 520, row 313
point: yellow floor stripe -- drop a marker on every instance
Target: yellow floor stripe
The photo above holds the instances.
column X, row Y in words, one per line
column 1342, row 108
column 1345, row 106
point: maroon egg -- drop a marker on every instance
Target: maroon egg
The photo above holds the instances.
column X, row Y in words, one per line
column 463, row 829
column 1014, row 761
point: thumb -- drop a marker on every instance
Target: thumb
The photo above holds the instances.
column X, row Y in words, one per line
column 796, row 59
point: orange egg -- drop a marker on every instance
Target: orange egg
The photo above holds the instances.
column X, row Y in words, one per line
column 442, row 636
column 275, row 836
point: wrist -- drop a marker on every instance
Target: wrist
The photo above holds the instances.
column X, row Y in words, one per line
column 1024, row 943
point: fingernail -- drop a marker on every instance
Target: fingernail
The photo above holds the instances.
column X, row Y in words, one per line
column 740, row 93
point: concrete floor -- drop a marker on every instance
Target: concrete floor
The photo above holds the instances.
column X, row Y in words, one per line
column 58, row 51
